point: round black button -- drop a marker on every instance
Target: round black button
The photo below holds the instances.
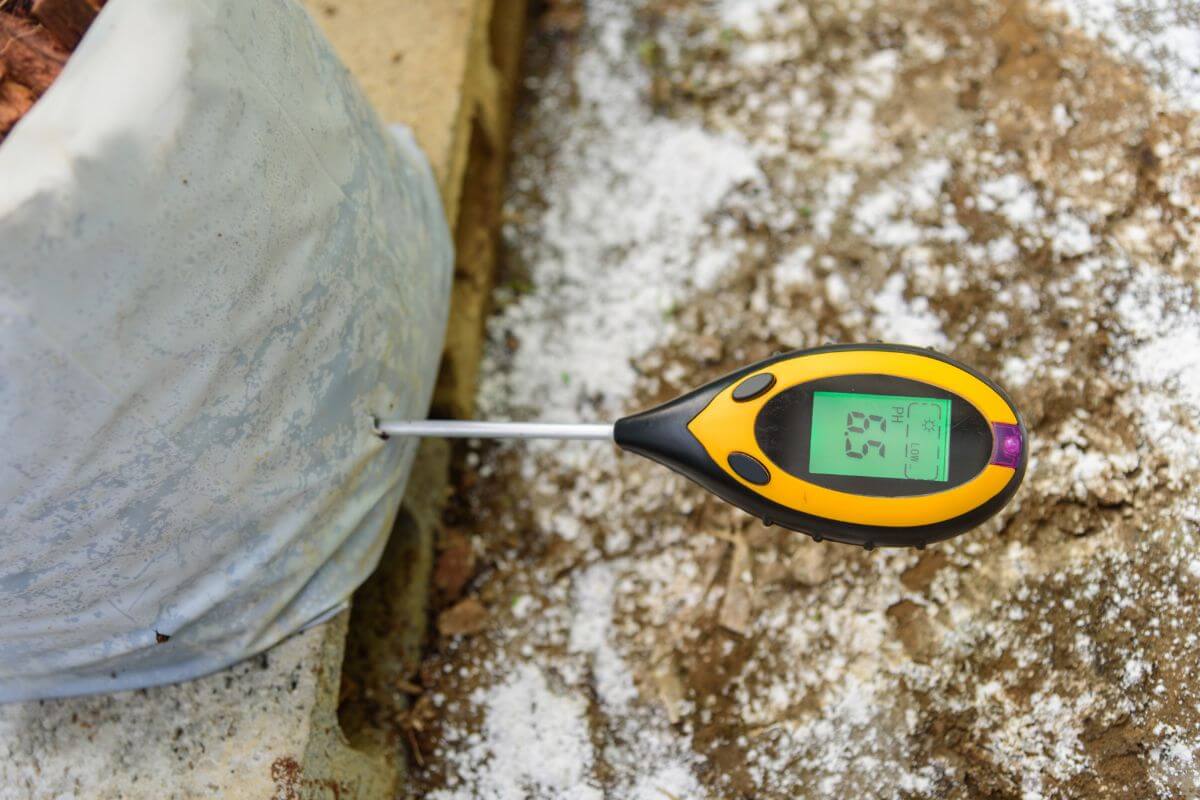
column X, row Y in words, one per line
column 753, row 386
column 749, row 468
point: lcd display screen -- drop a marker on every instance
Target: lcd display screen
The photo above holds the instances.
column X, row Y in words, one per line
column 880, row 436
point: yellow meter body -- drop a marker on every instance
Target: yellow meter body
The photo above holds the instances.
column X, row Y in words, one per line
column 875, row 445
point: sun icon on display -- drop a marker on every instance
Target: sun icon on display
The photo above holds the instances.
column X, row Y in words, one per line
column 930, row 425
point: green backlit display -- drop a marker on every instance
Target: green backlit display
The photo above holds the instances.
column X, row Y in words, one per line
column 880, row 436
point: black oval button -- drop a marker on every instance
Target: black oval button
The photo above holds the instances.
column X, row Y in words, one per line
column 753, row 386
column 749, row 468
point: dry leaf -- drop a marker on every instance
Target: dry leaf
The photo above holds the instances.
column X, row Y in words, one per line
column 455, row 566
column 463, row 619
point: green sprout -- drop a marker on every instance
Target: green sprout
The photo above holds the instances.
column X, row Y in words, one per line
column 649, row 52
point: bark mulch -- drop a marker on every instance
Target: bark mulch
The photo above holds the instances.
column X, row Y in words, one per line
column 36, row 38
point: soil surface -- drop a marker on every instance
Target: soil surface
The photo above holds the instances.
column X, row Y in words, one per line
column 699, row 185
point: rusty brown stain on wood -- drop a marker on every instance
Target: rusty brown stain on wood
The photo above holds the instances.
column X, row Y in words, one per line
column 285, row 772
column 291, row 784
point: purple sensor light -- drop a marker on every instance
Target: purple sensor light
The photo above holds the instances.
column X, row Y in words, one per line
column 1007, row 444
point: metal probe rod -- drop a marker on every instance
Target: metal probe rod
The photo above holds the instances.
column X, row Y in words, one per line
column 468, row 429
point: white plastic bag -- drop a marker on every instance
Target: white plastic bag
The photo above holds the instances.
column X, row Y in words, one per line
column 216, row 266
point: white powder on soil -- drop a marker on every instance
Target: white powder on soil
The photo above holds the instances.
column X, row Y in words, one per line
column 634, row 219
column 906, row 322
column 1163, row 350
column 630, row 200
column 632, row 226
column 534, row 743
column 1161, row 35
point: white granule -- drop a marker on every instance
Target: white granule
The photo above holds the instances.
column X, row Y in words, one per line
column 836, row 192
column 1135, row 670
column 1002, row 249
column 535, row 744
column 522, row 605
column 901, row 321
column 1016, row 372
column 667, row 782
column 872, row 81
column 1062, row 117
column 1174, row 758
column 591, row 635
column 1071, row 236
column 746, row 16
column 885, row 217
column 1088, row 465
column 1011, row 197
column 793, row 269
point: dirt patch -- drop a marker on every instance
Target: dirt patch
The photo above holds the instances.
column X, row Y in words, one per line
column 982, row 179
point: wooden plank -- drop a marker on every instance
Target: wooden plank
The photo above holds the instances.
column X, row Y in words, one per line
column 413, row 60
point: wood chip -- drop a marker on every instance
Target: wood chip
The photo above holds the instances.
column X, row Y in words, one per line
column 468, row 617
column 415, row 747
column 738, row 603
column 708, row 348
column 18, row 8
column 808, row 565
column 32, row 57
column 15, row 100
column 710, row 566
column 67, row 20
column 669, row 687
column 455, row 566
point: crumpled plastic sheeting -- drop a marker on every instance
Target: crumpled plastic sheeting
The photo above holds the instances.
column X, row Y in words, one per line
column 216, row 266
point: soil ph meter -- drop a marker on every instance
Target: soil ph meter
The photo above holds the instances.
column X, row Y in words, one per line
column 874, row 445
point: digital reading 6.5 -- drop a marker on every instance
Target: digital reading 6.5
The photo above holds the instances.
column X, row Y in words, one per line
column 880, row 436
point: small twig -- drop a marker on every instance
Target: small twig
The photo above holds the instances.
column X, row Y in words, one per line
column 416, row 748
